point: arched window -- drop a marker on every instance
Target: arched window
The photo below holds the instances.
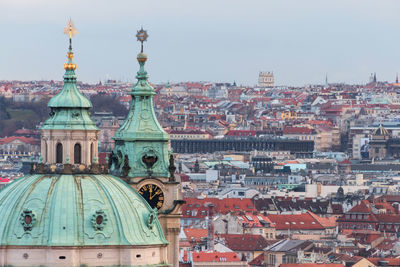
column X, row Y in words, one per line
column 91, row 153
column 59, row 153
column 77, row 154
column 45, row 152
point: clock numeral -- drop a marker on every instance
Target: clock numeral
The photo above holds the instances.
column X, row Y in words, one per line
column 153, row 195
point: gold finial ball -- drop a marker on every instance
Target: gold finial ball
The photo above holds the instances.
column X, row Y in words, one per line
column 142, row 57
column 69, row 66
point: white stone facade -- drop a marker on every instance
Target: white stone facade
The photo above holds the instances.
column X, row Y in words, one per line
column 83, row 256
column 68, row 139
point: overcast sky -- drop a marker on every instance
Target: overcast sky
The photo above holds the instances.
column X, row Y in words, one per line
column 203, row 40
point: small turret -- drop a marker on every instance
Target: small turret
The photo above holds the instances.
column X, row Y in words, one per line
column 69, row 134
column 141, row 144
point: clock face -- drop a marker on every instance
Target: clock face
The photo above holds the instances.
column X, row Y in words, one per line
column 153, row 194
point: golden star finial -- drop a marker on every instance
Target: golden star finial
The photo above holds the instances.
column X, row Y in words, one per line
column 142, row 37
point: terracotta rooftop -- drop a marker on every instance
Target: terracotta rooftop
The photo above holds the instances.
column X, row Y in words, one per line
column 389, row 261
column 245, row 242
column 198, row 208
column 311, row 265
column 207, row 256
column 26, row 140
column 303, row 221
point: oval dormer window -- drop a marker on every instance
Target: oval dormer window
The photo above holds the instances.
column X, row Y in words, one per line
column 149, row 160
column 28, row 219
column 99, row 219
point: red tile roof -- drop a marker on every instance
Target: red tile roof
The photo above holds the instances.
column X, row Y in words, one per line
column 388, row 218
column 208, row 256
column 326, row 222
column 297, row 130
column 251, row 220
column 385, row 206
column 245, row 242
column 390, row 261
column 204, row 256
column 241, row 133
column 302, row 221
column 363, row 207
column 4, row 180
column 198, row 208
column 195, row 235
column 311, row 265
column 26, row 140
column 258, row 261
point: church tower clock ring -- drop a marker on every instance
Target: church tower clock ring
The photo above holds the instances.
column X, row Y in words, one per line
column 153, row 195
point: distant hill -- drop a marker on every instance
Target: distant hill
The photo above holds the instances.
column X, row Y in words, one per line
column 14, row 116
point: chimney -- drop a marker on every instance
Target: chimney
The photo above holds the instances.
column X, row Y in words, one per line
column 383, row 263
column 210, row 237
column 396, row 208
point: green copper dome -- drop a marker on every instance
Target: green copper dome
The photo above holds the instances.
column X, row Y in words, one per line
column 69, row 108
column 76, row 210
column 69, row 96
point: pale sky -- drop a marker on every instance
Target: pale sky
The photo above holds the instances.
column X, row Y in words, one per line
column 203, row 40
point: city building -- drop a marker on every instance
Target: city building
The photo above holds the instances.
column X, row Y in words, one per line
column 266, row 79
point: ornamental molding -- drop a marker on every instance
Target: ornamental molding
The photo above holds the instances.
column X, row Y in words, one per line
column 99, row 220
column 152, row 218
column 27, row 219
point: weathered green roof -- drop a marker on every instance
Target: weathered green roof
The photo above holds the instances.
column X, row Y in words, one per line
column 65, row 207
column 69, row 119
column 141, row 122
column 69, row 108
column 69, row 96
column 141, row 135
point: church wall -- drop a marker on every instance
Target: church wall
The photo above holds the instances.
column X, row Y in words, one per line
column 100, row 256
column 68, row 139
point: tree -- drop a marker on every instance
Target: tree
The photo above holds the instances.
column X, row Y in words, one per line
column 102, row 102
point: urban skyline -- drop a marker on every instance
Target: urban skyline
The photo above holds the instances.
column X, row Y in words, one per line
column 217, row 42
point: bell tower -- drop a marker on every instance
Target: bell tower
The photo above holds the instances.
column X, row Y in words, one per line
column 69, row 135
column 143, row 158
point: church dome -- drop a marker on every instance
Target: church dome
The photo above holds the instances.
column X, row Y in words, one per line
column 59, row 210
column 380, row 131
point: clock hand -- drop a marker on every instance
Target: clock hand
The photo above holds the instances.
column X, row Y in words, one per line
column 151, row 191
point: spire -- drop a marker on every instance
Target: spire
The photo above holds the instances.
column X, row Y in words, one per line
column 141, row 139
column 397, row 77
column 69, row 97
column 374, row 77
column 69, row 112
column 70, row 30
column 326, row 81
column 142, row 85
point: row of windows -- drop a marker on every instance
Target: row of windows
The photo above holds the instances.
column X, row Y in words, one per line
column 357, row 226
column 357, row 216
column 77, row 153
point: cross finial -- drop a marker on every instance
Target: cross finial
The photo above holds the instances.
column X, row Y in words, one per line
column 70, row 30
column 142, row 37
